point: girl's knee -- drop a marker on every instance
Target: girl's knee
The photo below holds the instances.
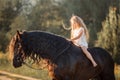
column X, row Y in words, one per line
column 84, row 49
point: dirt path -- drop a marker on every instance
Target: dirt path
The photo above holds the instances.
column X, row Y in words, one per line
column 8, row 76
column 5, row 78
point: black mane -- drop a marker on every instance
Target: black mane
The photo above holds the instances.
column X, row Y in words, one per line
column 39, row 42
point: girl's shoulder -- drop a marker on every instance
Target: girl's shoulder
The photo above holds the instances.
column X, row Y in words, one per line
column 81, row 29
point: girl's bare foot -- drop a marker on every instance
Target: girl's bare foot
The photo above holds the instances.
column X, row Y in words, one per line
column 94, row 65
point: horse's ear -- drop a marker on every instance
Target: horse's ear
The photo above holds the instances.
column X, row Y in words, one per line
column 18, row 34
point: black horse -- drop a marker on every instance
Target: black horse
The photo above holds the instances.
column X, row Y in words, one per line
column 65, row 60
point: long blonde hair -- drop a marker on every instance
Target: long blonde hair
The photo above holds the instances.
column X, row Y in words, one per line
column 81, row 23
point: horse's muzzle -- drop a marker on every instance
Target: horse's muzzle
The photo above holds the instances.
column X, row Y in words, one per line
column 17, row 63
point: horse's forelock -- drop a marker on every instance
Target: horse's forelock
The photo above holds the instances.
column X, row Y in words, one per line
column 11, row 47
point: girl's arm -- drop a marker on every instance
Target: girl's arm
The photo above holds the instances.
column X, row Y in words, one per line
column 71, row 35
column 79, row 35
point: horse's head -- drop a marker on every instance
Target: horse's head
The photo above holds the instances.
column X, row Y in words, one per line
column 16, row 50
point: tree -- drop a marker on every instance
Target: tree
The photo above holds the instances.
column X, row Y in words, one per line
column 8, row 11
column 47, row 18
column 93, row 12
column 109, row 37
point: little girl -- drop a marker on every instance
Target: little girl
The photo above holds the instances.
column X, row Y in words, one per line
column 79, row 36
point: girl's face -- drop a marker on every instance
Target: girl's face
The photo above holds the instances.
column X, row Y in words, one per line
column 72, row 22
column 75, row 23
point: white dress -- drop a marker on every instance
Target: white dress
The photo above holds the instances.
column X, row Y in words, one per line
column 82, row 41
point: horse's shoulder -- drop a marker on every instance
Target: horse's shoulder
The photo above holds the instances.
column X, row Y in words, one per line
column 96, row 50
column 99, row 51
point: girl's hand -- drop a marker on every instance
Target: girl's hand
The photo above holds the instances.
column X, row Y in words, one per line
column 68, row 39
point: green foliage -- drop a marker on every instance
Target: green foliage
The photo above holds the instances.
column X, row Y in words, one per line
column 3, row 41
column 109, row 37
column 7, row 14
column 6, row 65
column 46, row 18
column 19, row 23
column 48, row 15
column 93, row 12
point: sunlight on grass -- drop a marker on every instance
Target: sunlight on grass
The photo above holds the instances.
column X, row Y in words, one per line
column 117, row 72
column 6, row 65
column 39, row 74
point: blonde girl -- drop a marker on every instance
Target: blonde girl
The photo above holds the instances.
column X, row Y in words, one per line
column 79, row 36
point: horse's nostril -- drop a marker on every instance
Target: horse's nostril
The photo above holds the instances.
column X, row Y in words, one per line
column 17, row 62
column 18, row 59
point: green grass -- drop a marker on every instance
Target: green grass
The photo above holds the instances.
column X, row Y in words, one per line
column 6, row 65
column 26, row 71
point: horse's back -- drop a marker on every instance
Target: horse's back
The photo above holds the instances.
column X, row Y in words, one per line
column 100, row 54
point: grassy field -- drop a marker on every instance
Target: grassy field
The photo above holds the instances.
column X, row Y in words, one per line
column 117, row 72
column 5, row 65
column 26, row 71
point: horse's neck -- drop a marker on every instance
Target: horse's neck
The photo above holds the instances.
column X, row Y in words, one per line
column 40, row 47
column 47, row 48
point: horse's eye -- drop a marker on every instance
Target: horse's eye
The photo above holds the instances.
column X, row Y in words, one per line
column 19, row 47
column 18, row 59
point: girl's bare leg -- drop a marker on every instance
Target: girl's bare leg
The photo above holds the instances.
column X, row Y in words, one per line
column 89, row 56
